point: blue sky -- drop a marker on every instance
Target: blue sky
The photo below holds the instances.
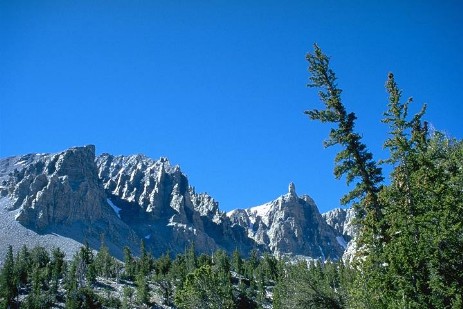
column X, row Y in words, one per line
column 219, row 87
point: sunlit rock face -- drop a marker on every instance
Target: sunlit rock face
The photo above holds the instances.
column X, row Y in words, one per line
column 57, row 189
column 61, row 193
column 342, row 220
column 76, row 196
column 156, row 199
column 290, row 225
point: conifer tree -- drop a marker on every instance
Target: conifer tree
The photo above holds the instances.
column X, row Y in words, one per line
column 409, row 239
column 22, row 265
column 237, row 262
column 204, row 289
column 57, row 266
column 127, row 297
column 8, row 280
column 354, row 161
column 129, row 262
column 142, row 288
column 104, row 262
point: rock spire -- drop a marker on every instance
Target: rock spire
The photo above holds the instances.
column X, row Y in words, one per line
column 292, row 189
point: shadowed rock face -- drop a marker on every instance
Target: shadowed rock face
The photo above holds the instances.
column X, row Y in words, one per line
column 290, row 225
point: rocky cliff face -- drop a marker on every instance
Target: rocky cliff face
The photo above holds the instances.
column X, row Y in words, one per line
column 290, row 225
column 124, row 199
column 342, row 220
column 157, row 201
column 61, row 193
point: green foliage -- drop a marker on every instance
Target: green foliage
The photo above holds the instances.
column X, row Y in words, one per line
column 312, row 286
column 105, row 263
column 145, row 262
column 130, row 265
column 410, row 237
column 8, row 280
column 127, row 297
column 83, row 298
column 237, row 262
column 142, row 289
column 22, row 265
column 354, row 161
column 204, row 289
column 162, row 265
column 191, row 262
column 178, row 270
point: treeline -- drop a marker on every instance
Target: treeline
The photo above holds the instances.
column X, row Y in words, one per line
column 37, row 278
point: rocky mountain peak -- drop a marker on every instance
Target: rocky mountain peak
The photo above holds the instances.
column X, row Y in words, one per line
column 61, row 193
column 56, row 188
column 290, row 225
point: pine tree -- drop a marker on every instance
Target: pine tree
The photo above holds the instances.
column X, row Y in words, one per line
column 190, row 258
column 237, row 262
column 57, row 266
column 22, row 265
column 316, row 286
column 204, row 289
column 8, row 280
column 409, row 239
column 146, row 260
column 127, row 297
column 129, row 262
column 104, row 262
column 354, row 160
column 142, row 288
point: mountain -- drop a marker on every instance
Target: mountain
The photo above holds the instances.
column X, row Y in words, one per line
column 342, row 220
column 290, row 225
column 60, row 194
column 156, row 200
column 72, row 197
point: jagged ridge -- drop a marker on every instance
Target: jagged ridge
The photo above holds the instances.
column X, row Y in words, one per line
column 290, row 225
column 124, row 199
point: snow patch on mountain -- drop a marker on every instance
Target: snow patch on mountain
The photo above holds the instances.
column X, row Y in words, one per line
column 116, row 209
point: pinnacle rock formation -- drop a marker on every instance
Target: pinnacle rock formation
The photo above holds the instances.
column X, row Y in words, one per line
column 290, row 225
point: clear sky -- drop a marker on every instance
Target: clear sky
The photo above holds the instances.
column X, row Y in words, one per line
column 219, row 87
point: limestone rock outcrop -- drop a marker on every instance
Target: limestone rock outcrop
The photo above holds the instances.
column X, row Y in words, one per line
column 156, row 199
column 76, row 195
column 61, row 193
column 342, row 220
column 290, row 225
